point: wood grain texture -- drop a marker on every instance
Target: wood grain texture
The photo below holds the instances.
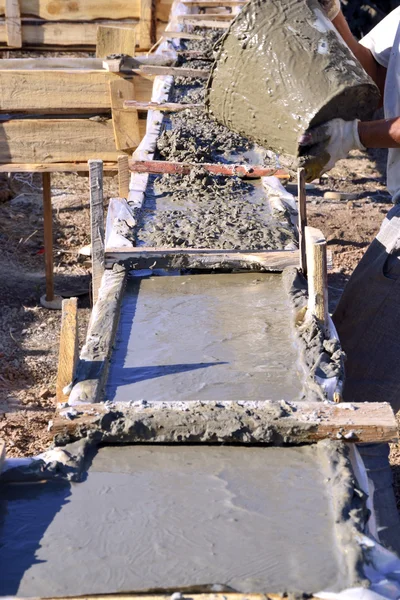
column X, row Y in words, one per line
column 125, row 124
column 115, row 40
column 183, row 168
column 96, row 224
column 79, row 10
column 302, row 208
column 13, row 23
column 68, row 353
column 191, row 258
column 147, row 35
column 123, row 176
column 58, row 140
column 317, row 275
column 300, row 423
column 68, row 167
column 56, row 92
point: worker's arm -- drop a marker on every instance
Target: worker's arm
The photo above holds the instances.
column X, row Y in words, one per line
column 384, row 133
column 376, row 71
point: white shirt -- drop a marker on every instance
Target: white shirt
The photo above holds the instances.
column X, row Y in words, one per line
column 384, row 43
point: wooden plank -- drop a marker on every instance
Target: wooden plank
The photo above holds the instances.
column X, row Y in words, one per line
column 42, row 33
column 13, row 23
column 163, row 10
column 147, row 33
column 58, row 63
column 176, row 71
column 123, row 176
column 125, row 124
column 302, row 208
column 115, row 40
column 68, row 167
column 216, row 422
column 48, row 236
column 58, row 140
column 81, row 10
column 57, row 92
column 166, row 106
column 193, row 258
column 317, row 275
column 208, row 16
column 68, row 353
column 96, row 224
column 177, row 168
column 185, row 596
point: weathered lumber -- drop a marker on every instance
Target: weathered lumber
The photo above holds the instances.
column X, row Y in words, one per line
column 208, row 16
column 48, row 236
column 123, row 176
column 92, row 369
column 146, row 24
column 96, row 224
column 115, row 40
column 13, row 23
column 302, row 208
column 69, row 167
column 56, row 92
column 59, row 63
column 317, row 275
column 83, row 10
column 126, row 125
column 176, row 168
column 166, row 106
column 193, row 258
column 176, row 71
column 246, row 422
column 68, row 353
column 58, row 140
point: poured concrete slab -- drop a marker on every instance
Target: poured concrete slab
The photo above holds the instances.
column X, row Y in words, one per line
column 205, row 337
column 251, row 519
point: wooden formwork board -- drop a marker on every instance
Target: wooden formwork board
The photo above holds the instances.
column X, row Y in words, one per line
column 59, row 140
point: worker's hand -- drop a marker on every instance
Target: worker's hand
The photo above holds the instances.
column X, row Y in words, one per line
column 321, row 147
column 331, row 8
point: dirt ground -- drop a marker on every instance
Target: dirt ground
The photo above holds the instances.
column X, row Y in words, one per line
column 29, row 334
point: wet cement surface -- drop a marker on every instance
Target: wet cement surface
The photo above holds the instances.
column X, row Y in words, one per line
column 253, row 519
column 281, row 69
column 205, row 337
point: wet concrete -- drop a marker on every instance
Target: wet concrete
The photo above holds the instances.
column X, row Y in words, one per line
column 204, row 211
column 249, row 519
column 282, row 68
column 205, row 337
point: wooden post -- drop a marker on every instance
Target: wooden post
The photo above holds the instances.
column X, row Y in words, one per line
column 48, row 236
column 317, row 275
column 146, row 25
column 96, row 224
column 13, row 24
column 302, row 207
column 123, row 176
column 68, row 355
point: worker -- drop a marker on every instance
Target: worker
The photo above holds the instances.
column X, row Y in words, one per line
column 367, row 317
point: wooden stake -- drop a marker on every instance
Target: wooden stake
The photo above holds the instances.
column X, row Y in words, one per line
column 210, row 16
column 184, row 35
column 96, row 223
column 123, row 176
column 177, row 168
column 48, row 236
column 302, row 207
column 13, row 24
column 68, row 354
column 176, row 71
column 317, row 275
column 146, row 25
